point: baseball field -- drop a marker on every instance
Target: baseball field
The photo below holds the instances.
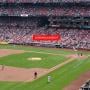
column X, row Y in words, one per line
column 18, row 63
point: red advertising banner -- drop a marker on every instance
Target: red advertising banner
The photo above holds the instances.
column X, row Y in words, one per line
column 55, row 37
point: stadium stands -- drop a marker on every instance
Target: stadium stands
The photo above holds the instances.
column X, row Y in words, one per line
column 20, row 32
column 16, row 26
column 46, row 11
column 86, row 86
column 43, row 1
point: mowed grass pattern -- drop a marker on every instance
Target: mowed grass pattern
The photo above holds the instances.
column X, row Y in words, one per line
column 60, row 77
column 21, row 60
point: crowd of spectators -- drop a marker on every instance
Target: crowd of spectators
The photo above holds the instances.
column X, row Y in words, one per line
column 43, row 1
column 20, row 32
column 47, row 11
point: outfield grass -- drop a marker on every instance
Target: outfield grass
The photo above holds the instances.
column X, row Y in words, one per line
column 60, row 77
column 38, row 49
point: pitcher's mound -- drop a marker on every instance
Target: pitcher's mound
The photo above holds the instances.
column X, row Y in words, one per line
column 35, row 59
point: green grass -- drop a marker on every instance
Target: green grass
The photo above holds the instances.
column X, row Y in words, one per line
column 38, row 49
column 60, row 77
column 21, row 60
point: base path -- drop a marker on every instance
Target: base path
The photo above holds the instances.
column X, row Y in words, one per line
column 60, row 65
column 6, row 52
column 23, row 74
column 75, row 85
column 26, row 75
column 19, row 74
column 56, row 67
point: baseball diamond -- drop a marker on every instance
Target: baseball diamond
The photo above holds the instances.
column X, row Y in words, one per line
column 44, row 44
column 63, row 65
